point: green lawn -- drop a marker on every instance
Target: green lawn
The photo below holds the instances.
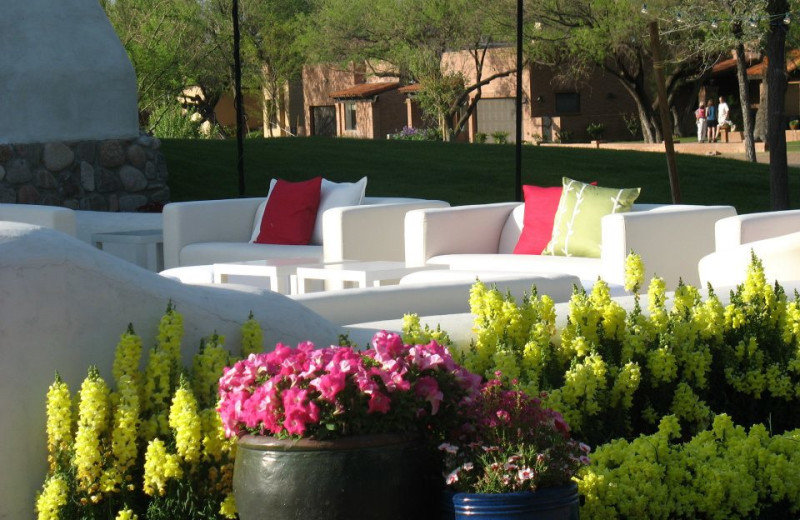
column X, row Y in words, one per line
column 458, row 173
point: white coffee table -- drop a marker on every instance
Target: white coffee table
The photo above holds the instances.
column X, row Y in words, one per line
column 363, row 274
column 140, row 239
column 278, row 270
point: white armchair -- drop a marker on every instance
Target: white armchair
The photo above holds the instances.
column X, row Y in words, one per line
column 773, row 236
column 670, row 240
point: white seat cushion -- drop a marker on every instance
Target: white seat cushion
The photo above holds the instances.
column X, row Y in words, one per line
column 583, row 268
column 216, row 252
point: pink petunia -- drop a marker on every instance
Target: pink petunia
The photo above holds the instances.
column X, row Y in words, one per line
column 379, row 402
column 427, row 388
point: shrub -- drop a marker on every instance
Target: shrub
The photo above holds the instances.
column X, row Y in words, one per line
column 564, row 136
column 170, row 121
column 481, row 137
column 596, row 131
column 500, row 137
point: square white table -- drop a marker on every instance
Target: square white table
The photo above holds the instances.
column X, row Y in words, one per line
column 363, row 274
column 140, row 239
column 278, row 270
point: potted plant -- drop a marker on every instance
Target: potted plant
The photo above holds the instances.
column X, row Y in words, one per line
column 334, row 432
column 596, row 131
column 512, row 459
column 794, row 124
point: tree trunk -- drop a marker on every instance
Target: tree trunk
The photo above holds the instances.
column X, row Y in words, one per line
column 776, row 135
column 762, row 122
column 744, row 101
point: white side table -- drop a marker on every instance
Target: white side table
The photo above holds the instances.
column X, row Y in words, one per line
column 140, row 239
column 278, row 270
column 363, row 274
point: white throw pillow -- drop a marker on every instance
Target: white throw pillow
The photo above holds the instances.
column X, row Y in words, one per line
column 336, row 195
column 260, row 213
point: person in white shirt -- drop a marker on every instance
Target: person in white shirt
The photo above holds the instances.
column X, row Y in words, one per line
column 723, row 111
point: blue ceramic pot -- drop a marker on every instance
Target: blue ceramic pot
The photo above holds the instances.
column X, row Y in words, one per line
column 556, row 503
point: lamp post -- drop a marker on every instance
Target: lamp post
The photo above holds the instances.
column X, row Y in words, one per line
column 518, row 119
column 237, row 101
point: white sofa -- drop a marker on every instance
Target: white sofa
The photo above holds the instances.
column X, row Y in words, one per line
column 212, row 231
column 671, row 239
column 773, row 236
column 53, row 217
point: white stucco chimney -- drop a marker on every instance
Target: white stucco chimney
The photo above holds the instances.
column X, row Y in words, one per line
column 64, row 75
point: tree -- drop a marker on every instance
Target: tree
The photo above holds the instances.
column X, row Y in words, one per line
column 579, row 35
column 272, row 53
column 413, row 36
column 776, row 83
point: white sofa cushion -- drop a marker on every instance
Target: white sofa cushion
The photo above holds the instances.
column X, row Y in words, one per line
column 728, row 267
column 202, row 253
column 583, row 268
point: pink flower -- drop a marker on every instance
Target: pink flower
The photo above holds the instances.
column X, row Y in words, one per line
column 329, row 385
column 504, row 416
column 449, row 448
column 524, row 474
column 585, row 460
column 428, row 389
column 378, row 402
column 584, row 447
column 452, row 478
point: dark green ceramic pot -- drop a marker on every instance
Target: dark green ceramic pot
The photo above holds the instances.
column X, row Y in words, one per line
column 381, row 477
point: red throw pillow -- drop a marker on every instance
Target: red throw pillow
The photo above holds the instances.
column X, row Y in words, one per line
column 540, row 213
column 290, row 213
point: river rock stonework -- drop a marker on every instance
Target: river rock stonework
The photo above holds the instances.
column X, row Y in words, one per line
column 108, row 175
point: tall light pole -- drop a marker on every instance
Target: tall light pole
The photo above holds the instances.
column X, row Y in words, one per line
column 237, row 101
column 518, row 120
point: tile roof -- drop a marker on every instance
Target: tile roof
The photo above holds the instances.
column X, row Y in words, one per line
column 409, row 89
column 792, row 64
column 365, row 90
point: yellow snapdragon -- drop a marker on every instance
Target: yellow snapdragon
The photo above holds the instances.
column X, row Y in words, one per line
column 207, row 367
column 185, row 423
column 53, row 497
column 252, row 336
column 127, row 356
column 160, row 466
column 93, row 423
column 59, row 423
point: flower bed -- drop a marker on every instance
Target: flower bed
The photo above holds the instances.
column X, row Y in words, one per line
column 645, row 389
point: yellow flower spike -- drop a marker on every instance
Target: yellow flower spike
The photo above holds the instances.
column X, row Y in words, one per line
column 160, row 466
column 634, row 272
column 170, row 333
column 93, row 424
column 185, row 423
column 228, row 506
column 207, row 367
column 127, row 356
column 252, row 336
column 126, row 514
column 126, row 426
column 59, row 422
column 53, row 497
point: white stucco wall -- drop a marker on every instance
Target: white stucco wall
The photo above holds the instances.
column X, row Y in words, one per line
column 64, row 305
column 64, row 75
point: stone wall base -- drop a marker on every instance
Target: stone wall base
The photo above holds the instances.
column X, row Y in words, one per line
column 108, row 175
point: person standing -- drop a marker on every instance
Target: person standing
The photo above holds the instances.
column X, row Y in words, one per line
column 711, row 120
column 700, row 115
column 723, row 113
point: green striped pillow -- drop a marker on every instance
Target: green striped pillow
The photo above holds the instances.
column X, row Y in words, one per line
column 576, row 230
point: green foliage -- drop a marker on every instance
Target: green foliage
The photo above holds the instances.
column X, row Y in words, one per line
column 596, row 131
column 500, row 137
column 722, row 472
column 632, row 124
column 564, row 136
column 170, row 120
column 480, row 137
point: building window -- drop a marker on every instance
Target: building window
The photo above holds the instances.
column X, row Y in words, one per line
column 568, row 103
column 349, row 115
